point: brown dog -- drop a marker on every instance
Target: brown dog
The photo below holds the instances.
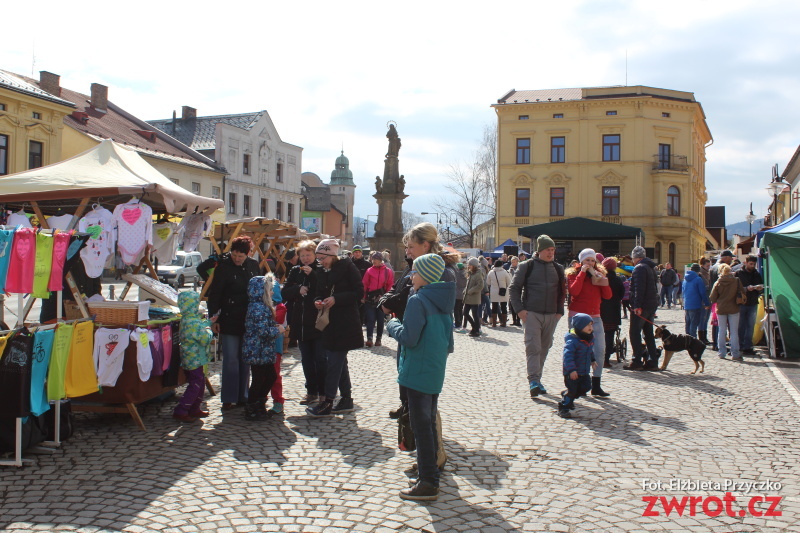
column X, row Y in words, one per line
column 677, row 342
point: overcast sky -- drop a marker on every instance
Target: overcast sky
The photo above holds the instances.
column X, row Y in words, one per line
column 332, row 74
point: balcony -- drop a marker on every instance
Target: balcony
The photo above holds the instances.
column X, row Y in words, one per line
column 670, row 163
column 522, row 221
column 611, row 219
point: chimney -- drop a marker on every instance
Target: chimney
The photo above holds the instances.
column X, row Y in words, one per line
column 50, row 83
column 188, row 112
column 99, row 97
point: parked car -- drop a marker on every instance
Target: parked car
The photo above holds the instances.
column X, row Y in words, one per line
column 182, row 269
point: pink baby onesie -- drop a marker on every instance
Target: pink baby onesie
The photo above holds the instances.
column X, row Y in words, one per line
column 134, row 230
column 23, row 253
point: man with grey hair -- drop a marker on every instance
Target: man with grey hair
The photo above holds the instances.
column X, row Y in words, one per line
column 537, row 293
column 644, row 303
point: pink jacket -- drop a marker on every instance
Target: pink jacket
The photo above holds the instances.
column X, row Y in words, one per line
column 378, row 277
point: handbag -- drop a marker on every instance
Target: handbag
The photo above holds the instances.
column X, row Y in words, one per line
column 324, row 316
column 500, row 290
column 373, row 297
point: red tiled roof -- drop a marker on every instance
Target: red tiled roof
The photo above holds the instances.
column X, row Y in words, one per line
column 542, row 95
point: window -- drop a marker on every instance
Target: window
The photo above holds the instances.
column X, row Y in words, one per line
column 610, row 201
column 36, row 115
column 175, row 181
column 2, row 107
column 3, row 155
column 557, row 145
column 35, row 150
column 657, row 253
column 264, row 207
column 279, row 174
column 246, row 205
column 665, row 115
column 246, row 164
column 672, row 253
column 558, row 115
column 289, row 211
column 523, row 151
column 663, row 156
column 611, row 147
column 557, row 202
column 232, row 203
column 523, row 202
column 523, row 117
column 216, row 192
column 195, row 188
column 611, row 113
column 279, row 210
column 673, row 202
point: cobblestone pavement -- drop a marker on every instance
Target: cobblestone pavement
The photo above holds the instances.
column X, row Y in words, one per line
column 514, row 464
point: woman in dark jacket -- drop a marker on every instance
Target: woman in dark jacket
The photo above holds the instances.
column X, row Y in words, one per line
column 301, row 289
column 611, row 309
column 339, row 288
column 227, row 305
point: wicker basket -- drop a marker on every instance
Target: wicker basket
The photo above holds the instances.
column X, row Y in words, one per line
column 71, row 310
column 119, row 313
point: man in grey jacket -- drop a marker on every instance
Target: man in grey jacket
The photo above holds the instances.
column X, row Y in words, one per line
column 539, row 297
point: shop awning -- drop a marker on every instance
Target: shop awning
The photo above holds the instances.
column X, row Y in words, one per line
column 580, row 228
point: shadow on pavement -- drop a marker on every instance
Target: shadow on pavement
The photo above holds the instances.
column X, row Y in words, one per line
column 480, row 467
column 699, row 382
column 343, row 434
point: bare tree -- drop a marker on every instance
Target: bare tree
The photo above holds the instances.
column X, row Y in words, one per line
column 467, row 202
column 410, row 220
column 487, row 162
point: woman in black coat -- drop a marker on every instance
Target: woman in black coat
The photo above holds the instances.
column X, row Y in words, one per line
column 339, row 288
column 301, row 289
column 611, row 309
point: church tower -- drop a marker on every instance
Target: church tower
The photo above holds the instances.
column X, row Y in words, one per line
column 342, row 184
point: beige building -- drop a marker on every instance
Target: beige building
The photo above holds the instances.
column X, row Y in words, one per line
column 633, row 157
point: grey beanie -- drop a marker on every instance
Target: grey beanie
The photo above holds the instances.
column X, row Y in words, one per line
column 473, row 261
column 638, row 253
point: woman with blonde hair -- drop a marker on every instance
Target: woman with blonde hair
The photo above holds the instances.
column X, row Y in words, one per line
column 727, row 292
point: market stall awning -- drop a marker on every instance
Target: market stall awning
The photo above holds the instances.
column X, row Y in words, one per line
column 109, row 170
column 580, row 228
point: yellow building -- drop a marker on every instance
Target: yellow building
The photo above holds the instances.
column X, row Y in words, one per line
column 31, row 125
column 629, row 156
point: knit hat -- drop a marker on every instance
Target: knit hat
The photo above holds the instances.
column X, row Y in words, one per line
column 638, row 253
column 376, row 255
column 580, row 321
column 600, row 257
column 460, row 266
column 430, row 267
column 328, row 247
column 610, row 264
column 726, row 253
column 587, row 253
column 695, row 267
column 357, row 248
column 543, row 242
column 484, row 262
column 473, row 261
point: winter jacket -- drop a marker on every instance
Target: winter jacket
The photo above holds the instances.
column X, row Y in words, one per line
column 228, row 294
column 474, row 288
column 668, row 277
column 461, row 283
column 498, row 278
column 724, row 294
column 261, row 329
column 644, row 294
column 362, row 265
column 195, row 333
column 706, row 277
column 544, row 291
column 578, row 354
column 750, row 278
column 611, row 309
column 303, row 313
column 343, row 332
column 585, row 296
column 426, row 337
column 694, row 292
column 396, row 299
column 378, row 277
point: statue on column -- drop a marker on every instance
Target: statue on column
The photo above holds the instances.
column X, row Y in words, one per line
column 378, row 184
column 394, row 141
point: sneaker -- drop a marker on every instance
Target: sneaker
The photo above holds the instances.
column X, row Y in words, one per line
column 397, row 413
column 541, row 388
column 309, row 399
column 535, row 389
column 184, row 418
column 740, row 358
column 368, row 344
column 255, row 413
column 564, row 413
column 344, row 405
column 277, row 408
column 422, row 491
column 474, row 334
column 323, row 408
column 722, row 356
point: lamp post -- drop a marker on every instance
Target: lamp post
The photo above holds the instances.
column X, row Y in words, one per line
column 750, row 218
column 776, row 187
column 438, row 222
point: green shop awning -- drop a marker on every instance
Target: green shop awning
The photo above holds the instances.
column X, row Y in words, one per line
column 580, row 228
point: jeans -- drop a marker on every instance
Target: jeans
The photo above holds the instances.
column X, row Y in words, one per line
column 422, row 414
column 474, row 320
column 193, row 395
column 747, row 323
column 599, row 344
column 724, row 322
column 637, row 328
column 693, row 318
column 539, row 329
column 338, row 375
column 315, row 364
column 704, row 321
column 666, row 295
column 235, row 373
column 485, row 306
column 373, row 315
column 263, row 379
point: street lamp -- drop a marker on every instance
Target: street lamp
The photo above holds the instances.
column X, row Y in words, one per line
column 750, row 218
column 776, row 187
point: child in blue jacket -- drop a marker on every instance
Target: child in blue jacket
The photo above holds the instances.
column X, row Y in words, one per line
column 577, row 361
column 426, row 337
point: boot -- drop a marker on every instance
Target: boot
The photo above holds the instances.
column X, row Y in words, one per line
column 494, row 320
column 256, row 411
column 597, row 390
column 702, row 335
column 503, row 319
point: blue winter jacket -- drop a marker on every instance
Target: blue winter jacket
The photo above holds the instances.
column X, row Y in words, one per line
column 260, row 329
column 578, row 353
column 425, row 336
column 694, row 292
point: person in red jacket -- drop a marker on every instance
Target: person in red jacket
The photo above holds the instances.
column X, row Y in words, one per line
column 377, row 280
column 588, row 285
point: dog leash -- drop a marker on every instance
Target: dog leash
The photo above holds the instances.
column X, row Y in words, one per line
column 643, row 318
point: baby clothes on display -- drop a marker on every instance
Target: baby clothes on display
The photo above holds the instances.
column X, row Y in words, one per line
column 194, row 227
column 109, row 354
column 99, row 223
column 144, row 357
column 43, row 264
column 42, row 349
column 81, row 376
column 19, row 219
column 58, row 362
column 6, row 242
column 157, row 351
column 60, row 222
column 166, row 346
column 134, row 222
column 60, row 247
column 165, row 242
column 20, row 272
column 15, row 375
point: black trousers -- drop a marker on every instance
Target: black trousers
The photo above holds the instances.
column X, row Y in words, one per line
column 458, row 312
column 262, row 378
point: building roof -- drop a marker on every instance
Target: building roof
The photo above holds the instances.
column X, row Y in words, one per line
column 318, row 198
column 342, row 175
column 311, row 180
column 593, row 93
column 199, row 132
column 580, row 228
column 17, row 83
column 542, row 95
column 339, row 202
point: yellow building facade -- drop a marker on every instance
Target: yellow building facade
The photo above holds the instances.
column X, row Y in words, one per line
column 633, row 156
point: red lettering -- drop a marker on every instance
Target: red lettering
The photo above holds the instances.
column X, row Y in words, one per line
column 693, row 501
column 751, row 506
column 774, row 501
column 707, row 510
column 651, row 501
column 729, row 499
column 673, row 504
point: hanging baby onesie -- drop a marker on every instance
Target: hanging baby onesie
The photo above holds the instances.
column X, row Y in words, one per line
column 15, row 375
column 42, row 349
column 165, row 242
column 166, row 345
column 58, row 362
column 76, row 244
column 42, row 265
column 81, row 376
column 157, row 351
column 109, row 354
column 61, row 222
column 195, row 227
column 6, row 243
column 23, row 253
column 99, row 223
column 134, row 222
column 19, row 219
column 60, row 247
column 144, row 357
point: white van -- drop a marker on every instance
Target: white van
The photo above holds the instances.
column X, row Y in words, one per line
column 182, row 269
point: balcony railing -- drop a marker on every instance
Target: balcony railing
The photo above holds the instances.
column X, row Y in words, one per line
column 611, row 219
column 522, row 221
column 675, row 163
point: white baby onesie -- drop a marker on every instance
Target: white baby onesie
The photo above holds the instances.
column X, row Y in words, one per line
column 165, row 244
column 61, row 222
column 99, row 223
column 134, row 230
column 195, row 227
column 19, row 219
column 144, row 357
column 109, row 354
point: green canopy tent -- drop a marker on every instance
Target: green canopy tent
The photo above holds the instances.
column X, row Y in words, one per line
column 580, row 228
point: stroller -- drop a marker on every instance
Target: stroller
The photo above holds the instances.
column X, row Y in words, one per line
column 620, row 346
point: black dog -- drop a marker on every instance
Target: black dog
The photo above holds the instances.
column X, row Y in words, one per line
column 676, row 342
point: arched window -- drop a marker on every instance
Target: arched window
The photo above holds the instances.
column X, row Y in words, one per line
column 673, row 202
column 672, row 255
column 657, row 253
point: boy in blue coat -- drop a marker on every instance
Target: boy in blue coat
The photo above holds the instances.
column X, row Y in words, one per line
column 426, row 337
column 577, row 361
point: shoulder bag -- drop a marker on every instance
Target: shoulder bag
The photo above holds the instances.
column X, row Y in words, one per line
column 500, row 290
column 324, row 316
